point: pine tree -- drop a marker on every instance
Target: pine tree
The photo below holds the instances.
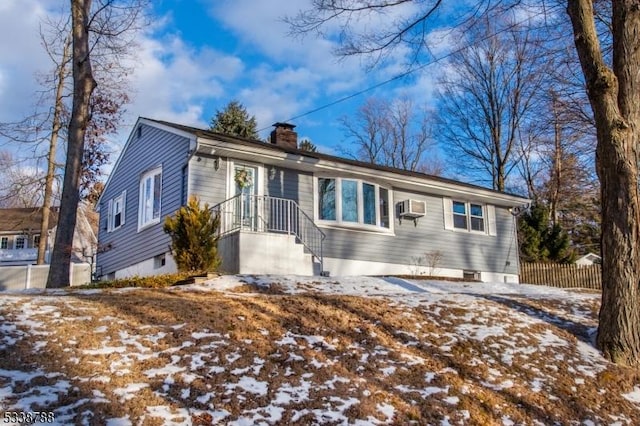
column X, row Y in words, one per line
column 307, row 145
column 542, row 241
column 234, row 120
column 194, row 237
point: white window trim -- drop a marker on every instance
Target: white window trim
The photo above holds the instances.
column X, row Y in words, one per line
column 143, row 225
column 111, row 217
column 488, row 216
column 360, row 225
column 7, row 242
column 231, row 179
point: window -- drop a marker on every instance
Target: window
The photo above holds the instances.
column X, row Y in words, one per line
column 327, row 199
column 19, row 242
column 476, row 217
column 4, row 243
column 116, row 212
column 36, row 241
column 349, row 201
column 159, row 261
column 459, row 215
column 353, row 202
column 471, row 217
column 384, row 208
column 150, row 195
column 369, row 203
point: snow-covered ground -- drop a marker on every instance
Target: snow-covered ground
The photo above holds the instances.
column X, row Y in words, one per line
column 288, row 349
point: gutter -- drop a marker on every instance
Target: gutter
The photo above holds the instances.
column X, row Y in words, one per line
column 325, row 166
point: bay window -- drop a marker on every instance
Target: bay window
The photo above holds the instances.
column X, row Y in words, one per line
column 349, row 200
column 353, row 202
column 327, row 199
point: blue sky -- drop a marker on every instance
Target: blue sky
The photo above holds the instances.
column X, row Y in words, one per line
column 199, row 54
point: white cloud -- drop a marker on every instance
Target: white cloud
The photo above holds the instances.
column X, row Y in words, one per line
column 260, row 26
column 172, row 80
column 21, row 55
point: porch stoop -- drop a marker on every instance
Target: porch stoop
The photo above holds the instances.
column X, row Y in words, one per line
column 268, row 235
column 247, row 252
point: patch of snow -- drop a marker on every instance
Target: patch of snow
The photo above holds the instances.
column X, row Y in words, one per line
column 181, row 417
column 633, row 396
column 119, row 421
column 128, row 392
column 107, row 350
column 425, row 392
column 250, row 385
column 387, row 410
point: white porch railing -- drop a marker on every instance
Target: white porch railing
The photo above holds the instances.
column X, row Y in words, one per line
column 260, row 213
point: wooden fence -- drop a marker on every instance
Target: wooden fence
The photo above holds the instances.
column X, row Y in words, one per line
column 564, row 276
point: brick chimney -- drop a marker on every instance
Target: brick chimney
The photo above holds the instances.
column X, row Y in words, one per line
column 283, row 135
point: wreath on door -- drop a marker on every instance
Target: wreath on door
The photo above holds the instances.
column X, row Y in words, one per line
column 243, row 178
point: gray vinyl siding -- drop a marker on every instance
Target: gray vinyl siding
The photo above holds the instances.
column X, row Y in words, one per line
column 293, row 185
column 207, row 183
column 126, row 246
column 210, row 185
column 460, row 250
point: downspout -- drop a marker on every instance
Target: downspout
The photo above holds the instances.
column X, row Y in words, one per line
column 190, row 155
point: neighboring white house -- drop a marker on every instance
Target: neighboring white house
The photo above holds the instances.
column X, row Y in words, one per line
column 20, row 235
column 589, row 259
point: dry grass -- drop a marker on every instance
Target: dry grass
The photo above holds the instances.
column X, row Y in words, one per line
column 372, row 352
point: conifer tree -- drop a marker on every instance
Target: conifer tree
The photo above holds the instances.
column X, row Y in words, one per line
column 542, row 241
column 307, row 145
column 194, row 237
column 234, row 120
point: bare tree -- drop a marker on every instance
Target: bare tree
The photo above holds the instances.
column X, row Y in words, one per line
column 395, row 134
column 368, row 131
column 613, row 89
column 20, row 185
column 84, row 84
column 614, row 93
column 488, row 98
column 99, row 34
column 61, row 73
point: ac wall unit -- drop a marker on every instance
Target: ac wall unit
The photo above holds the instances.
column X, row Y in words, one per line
column 412, row 208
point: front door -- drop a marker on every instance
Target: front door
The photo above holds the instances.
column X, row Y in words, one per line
column 245, row 178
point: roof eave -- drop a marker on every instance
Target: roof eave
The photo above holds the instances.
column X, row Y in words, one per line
column 294, row 159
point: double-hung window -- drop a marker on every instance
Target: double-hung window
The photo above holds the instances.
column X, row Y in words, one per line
column 4, row 243
column 116, row 212
column 150, row 198
column 20, row 242
column 476, row 218
column 353, row 202
column 470, row 217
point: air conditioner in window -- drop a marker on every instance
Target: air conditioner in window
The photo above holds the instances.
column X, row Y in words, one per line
column 412, row 208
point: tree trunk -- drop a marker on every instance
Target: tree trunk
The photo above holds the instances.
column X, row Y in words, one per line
column 557, row 162
column 51, row 158
column 615, row 100
column 83, row 85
